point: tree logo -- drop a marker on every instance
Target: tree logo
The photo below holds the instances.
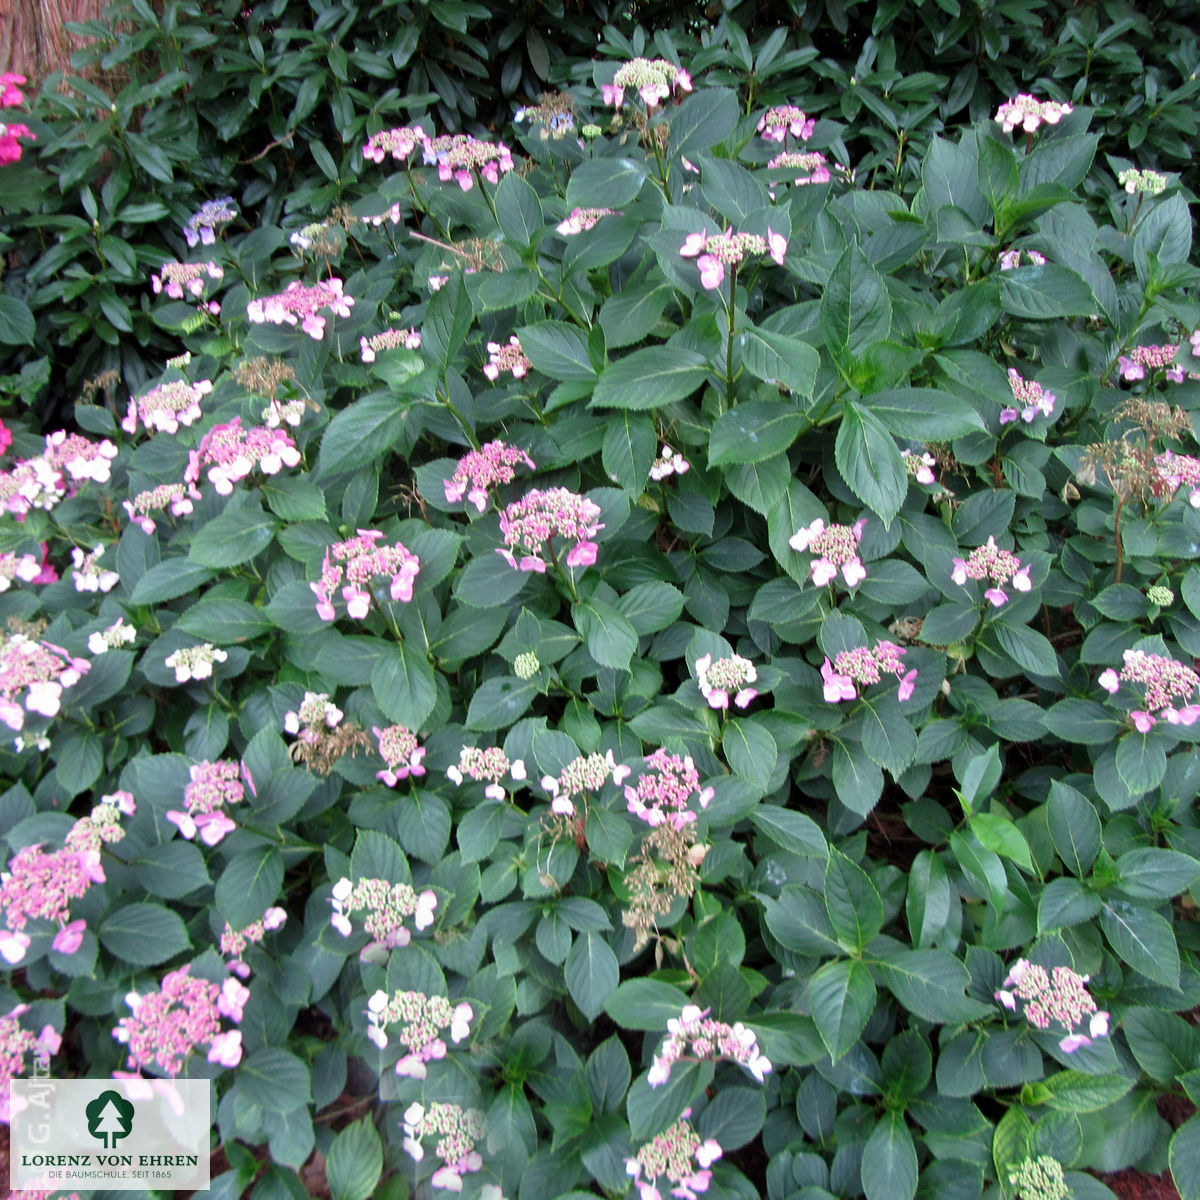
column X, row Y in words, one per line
column 109, row 1117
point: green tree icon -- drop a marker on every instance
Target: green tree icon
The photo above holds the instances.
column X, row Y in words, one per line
column 109, row 1117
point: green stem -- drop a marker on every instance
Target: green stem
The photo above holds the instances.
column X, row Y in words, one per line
column 729, row 322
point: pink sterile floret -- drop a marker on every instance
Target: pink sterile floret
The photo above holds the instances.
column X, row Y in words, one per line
column 236, row 941
column 483, row 469
column 834, row 548
column 530, row 525
column 580, row 220
column 184, row 1015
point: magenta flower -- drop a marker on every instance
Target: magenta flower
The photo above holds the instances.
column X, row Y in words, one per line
column 1054, row 998
column 301, row 304
column 399, row 143
column 866, row 666
column 1164, row 681
column 680, row 1156
column 359, row 561
column 491, row 465
column 398, row 748
column 663, row 793
column 212, row 786
column 837, row 687
column 776, row 123
column 508, row 357
column 1032, row 398
column 488, row 766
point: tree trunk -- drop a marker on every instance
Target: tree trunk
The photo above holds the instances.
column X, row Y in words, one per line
column 33, row 40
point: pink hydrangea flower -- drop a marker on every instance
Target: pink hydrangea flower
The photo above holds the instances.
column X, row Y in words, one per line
column 492, row 464
column 680, row 1156
column 920, row 466
column 812, row 165
column 1164, row 681
column 1032, row 398
column 457, row 1129
column 653, row 79
column 235, row 942
column 581, row 220
column 213, row 785
column 487, row 766
column 399, row 143
column 458, row 155
column 530, row 525
column 423, row 1020
column 784, row 119
column 1028, row 112
column 579, row 778
column 230, row 453
column 300, row 304
column 359, row 561
column 177, row 497
column 694, row 1036
column 664, row 791
column 33, row 677
column 865, row 666
column 508, row 357
column 389, row 339
column 1054, row 998
column 834, row 548
column 398, row 748
column 726, row 677
column 714, row 252
column 387, row 907
column 995, row 565
column 175, row 278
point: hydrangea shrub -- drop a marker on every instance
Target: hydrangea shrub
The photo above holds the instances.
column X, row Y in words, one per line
column 661, row 672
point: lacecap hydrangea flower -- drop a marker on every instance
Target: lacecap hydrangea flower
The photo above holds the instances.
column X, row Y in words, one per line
column 695, row 1036
column 530, row 525
column 680, row 1155
column 583, row 775
column 1164, row 681
column 834, row 548
column 863, row 667
column 494, row 463
column 213, row 785
column 1032, row 397
column 1028, row 112
column 665, row 789
column 387, row 907
column 997, row 566
column 714, row 252
column 726, row 678
column 1054, row 998
column 301, row 304
column 653, row 79
column 488, row 766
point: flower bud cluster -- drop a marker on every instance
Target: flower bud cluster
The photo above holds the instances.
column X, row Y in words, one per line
column 1150, row 182
column 1040, row 1178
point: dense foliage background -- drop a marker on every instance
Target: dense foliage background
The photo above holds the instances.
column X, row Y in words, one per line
column 838, row 679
